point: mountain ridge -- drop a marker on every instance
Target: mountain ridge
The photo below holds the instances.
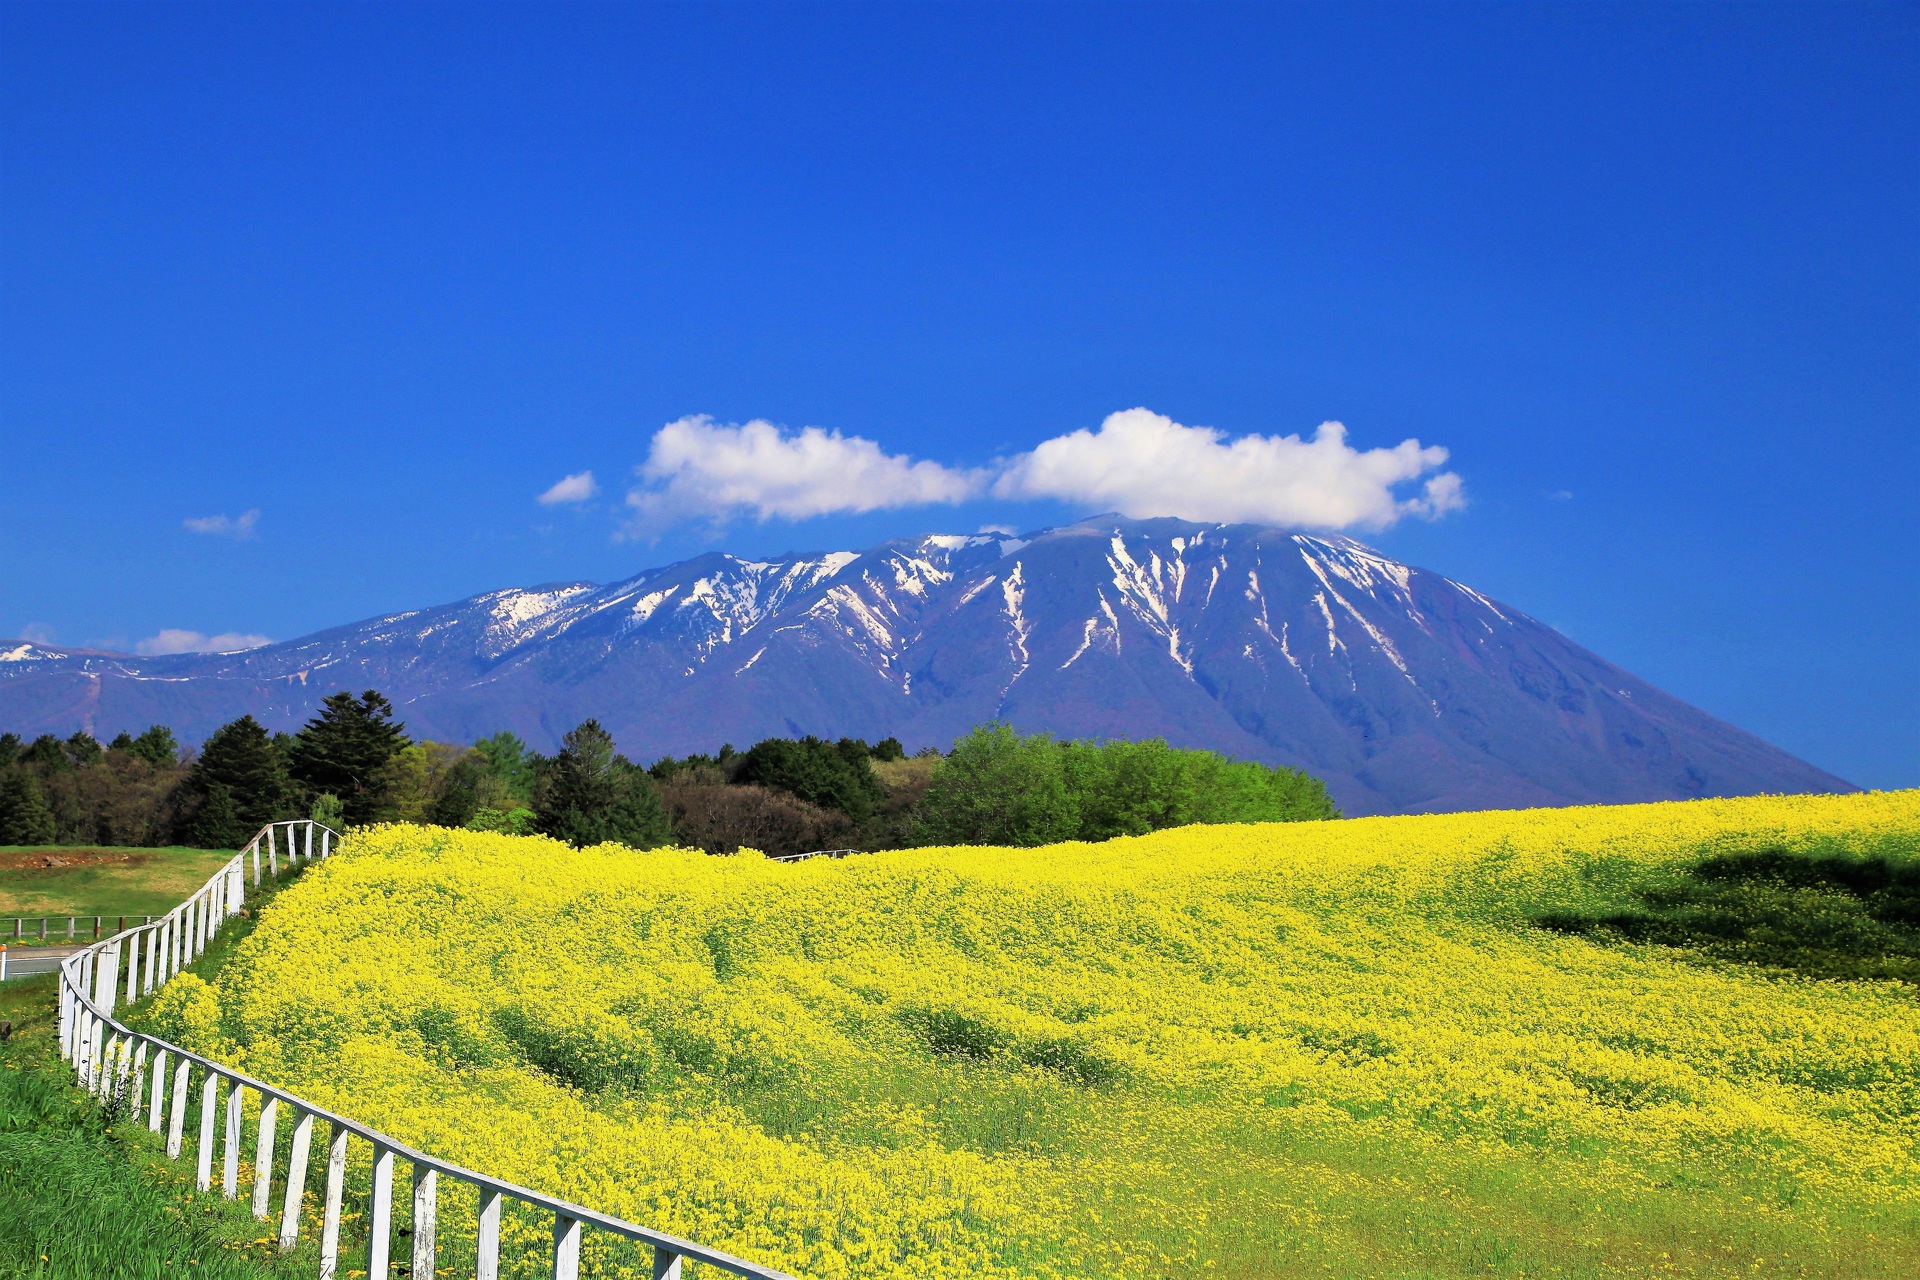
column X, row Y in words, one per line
column 1405, row 690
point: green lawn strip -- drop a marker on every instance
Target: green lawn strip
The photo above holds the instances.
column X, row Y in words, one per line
column 138, row 882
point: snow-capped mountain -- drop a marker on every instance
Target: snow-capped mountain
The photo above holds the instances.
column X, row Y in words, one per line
column 1405, row 690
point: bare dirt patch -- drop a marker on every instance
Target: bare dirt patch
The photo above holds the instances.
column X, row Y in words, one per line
column 53, row 860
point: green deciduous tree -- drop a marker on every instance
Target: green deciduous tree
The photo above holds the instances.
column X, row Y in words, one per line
column 344, row 751
column 157, row 747
column 1000, row 787
column 593, row 795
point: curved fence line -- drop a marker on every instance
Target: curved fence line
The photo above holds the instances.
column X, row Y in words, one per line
column 130, row 1068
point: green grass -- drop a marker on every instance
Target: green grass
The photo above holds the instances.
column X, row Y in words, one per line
column 85, row 1196
column 100, row 881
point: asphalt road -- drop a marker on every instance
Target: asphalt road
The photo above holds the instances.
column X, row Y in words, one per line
column 23, row 962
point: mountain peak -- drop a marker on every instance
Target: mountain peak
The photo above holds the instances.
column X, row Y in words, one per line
column 1405, row 690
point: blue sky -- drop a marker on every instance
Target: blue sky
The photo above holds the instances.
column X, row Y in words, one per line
column 384, row 275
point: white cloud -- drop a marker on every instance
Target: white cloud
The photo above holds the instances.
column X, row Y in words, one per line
column 37, row 633
column 1142, row 463
column 1138, row 462
column 577, row 488
column 699, row 468
column 174, row 640
column 240, row 526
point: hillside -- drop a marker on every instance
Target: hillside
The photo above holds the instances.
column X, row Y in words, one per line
column 1339, row 1048
column 1404, row 690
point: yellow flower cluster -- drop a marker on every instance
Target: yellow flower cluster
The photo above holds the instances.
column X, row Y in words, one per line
column 1311, row 1048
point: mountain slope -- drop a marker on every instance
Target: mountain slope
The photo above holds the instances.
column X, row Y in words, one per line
column 1406, row 691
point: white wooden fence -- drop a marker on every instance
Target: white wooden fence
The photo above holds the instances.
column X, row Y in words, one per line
column 130, row 1068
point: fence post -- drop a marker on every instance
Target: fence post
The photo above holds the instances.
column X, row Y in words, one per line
column 157, row 1104
column 336, row 1186
column 254, row 848
column 273, row 853
column 426, row 1215
column 136, row 1093
column 209, row 1105
column 96, row 1054
column 666, row 1263
column 104, row 978
column 133, row 968
column 109, row 1056
column 309, row 840
column 230, row 1166
column 263, row 1156
column 380, row 1216
column 296, row 1180
column 566, row 1247
column 326, row 843
column 487, row 1234
column 236, row 888
column 177, row 1121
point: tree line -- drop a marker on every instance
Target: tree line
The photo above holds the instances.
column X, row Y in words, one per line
column 353, row 763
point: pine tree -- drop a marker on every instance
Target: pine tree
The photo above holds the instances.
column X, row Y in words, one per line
column 344, row 751
column 594, row 795
column 24, row 815
column 217, row 824
column 239, row 761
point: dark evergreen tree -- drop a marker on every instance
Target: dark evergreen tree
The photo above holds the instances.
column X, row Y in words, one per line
column 344, row 751
column 24, row 815
column 216, row 822
column 593, row 795
column 836, row 775
column 238, row 762
column 9, row 748
column 46, row 751
column 84, row 749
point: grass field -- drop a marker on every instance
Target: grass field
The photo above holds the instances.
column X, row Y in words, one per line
column 84, row 1196
column 1382, row 1047
column 65, row 881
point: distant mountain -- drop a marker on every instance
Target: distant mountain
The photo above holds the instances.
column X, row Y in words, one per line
column 1406, row 691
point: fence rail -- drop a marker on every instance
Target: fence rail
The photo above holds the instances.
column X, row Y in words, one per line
column 59, row 930
column 130, row 1068
column 816, row 853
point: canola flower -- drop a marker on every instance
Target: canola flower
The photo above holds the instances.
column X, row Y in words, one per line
column 1310, row 1048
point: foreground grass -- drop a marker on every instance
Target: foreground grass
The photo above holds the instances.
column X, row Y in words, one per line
column 84, row 1196
column 1412, row 1047
column 96, row 881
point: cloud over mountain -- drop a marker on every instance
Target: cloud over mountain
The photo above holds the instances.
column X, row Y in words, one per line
column 177, row 640
column 1140, row 463
column 1143, row 464
column 699, row 468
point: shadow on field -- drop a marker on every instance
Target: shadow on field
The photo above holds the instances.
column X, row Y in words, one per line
column 1832, row 916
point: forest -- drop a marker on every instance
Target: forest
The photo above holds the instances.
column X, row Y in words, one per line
column 353, row 764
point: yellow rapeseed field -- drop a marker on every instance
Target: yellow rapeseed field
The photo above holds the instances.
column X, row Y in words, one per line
column 1321, row 1049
